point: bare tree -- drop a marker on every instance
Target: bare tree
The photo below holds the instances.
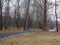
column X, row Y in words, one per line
column 1, row 15
column 56, row 16
column 27, row 17
column 6, row 19
column 44, row 20
column 18, row 15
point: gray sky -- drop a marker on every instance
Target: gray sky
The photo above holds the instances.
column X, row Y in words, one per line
column 52, row 10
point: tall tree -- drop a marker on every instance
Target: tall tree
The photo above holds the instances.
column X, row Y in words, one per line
column 18, row 15
column 26, row 26
column 1, row 15
column 45, row 12
column 56, row 16
column 7, row 8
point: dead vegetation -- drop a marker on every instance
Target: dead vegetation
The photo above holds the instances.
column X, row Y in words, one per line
column 33, row 38
column 11, row 30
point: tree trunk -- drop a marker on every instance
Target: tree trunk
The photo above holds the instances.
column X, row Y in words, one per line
column 18, row 15
column 56, row 17
column 1, row 16
column 26, row 26
column 6, row 25
column 44, row 20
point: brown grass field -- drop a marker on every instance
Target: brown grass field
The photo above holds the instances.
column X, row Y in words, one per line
column 11, row 30
column 32, row 38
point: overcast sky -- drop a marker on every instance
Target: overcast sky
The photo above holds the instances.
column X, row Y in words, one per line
column 52, row 10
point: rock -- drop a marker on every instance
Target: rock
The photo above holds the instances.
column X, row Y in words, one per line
column 52, row 30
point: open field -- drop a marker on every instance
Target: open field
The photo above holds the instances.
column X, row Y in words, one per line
column 32, row 38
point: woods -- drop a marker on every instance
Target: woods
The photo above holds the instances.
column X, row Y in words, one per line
column 29, row 14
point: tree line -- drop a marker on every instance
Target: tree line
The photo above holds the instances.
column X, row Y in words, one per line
column 34, row 14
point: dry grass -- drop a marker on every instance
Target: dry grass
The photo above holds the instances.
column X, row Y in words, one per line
column 34, row 38
column 11, row 30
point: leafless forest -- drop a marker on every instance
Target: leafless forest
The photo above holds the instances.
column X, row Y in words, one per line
column 30, row 14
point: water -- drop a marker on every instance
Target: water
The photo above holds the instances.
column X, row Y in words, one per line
column 8, row 34
column 15, row 33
